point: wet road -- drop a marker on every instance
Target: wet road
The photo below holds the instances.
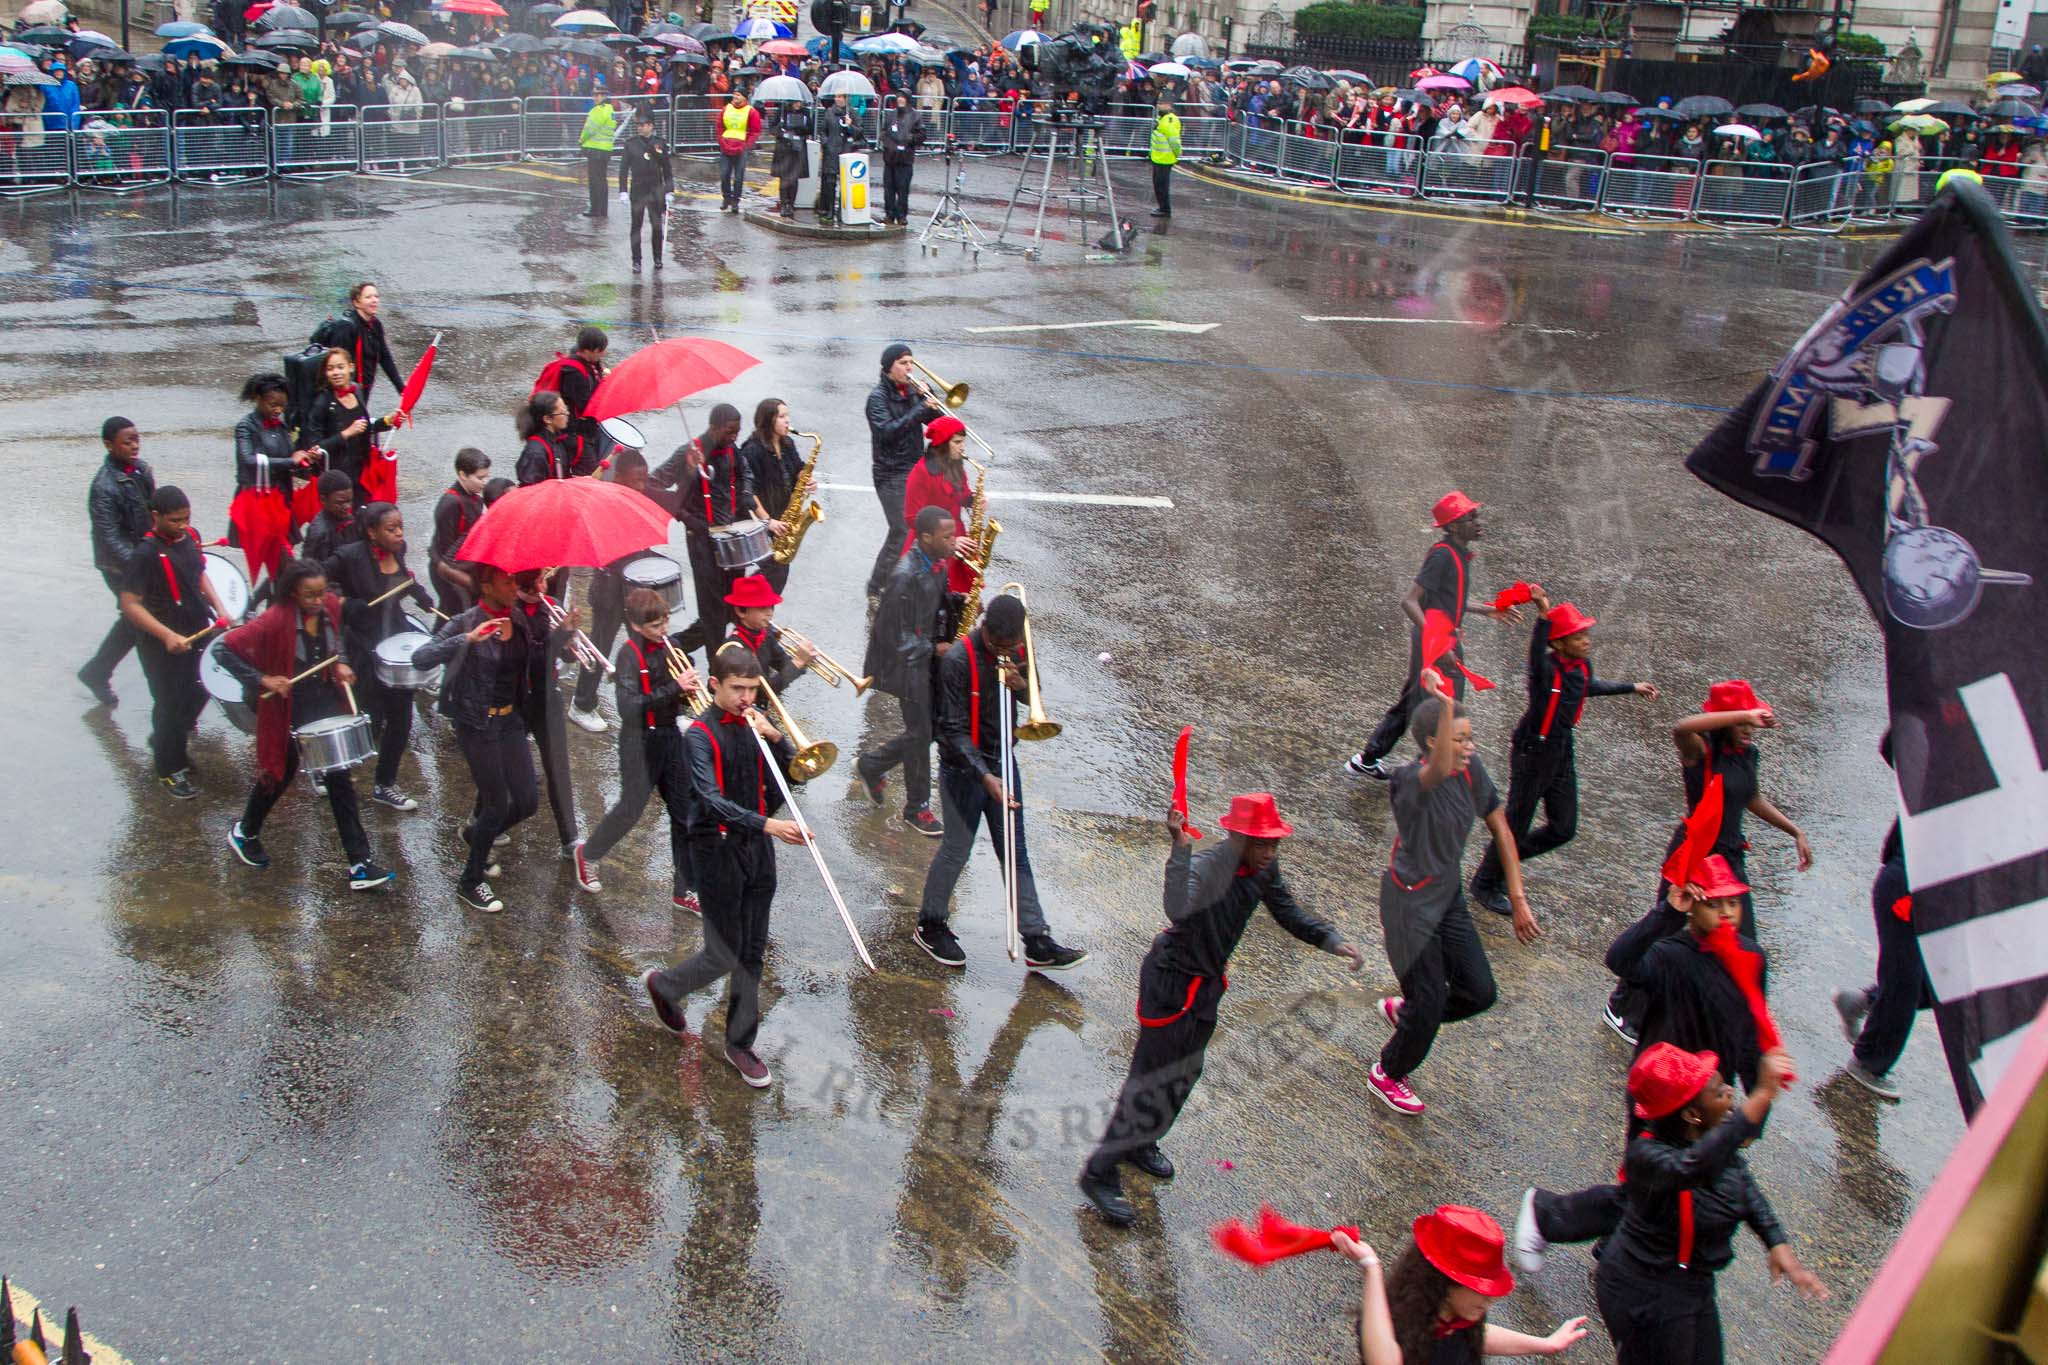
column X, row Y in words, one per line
column 253, row 1117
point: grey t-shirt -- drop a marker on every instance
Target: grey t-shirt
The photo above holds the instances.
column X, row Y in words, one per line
column 1431, row 826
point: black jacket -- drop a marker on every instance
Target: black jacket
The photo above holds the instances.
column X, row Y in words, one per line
column 1692, row 1001
column 895, row 428
column 903, row 132
column 646, row 689
column 773, row 474
column 454, row 514
column 352, row 576
column 645, row 171
column 325, row 537
column 327, row 419
column 364, row 340
column 731, row 791
column 1558, row 689
column 903, row 639
column 263, row 454
column 728, row 495
column 838, row 133
column 1199, row 938
column 117, row 505
column 970, row 735
column 1724, row 1197
column 558, row 457
column 479, row 675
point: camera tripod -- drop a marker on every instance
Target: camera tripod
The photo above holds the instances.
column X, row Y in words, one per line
column 949, row 221
column 1078, row 143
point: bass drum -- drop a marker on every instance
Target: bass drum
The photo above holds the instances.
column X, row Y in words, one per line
column 230, row 584
column 224, row 688
column 658, row 573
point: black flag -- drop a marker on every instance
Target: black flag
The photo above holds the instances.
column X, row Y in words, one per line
column 1909, row 430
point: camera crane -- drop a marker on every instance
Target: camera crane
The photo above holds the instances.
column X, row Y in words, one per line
column 1086, row 63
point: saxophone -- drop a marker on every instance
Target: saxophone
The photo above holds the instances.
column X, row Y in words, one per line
column 977, row 511
column 800, row 514
column 983, row 556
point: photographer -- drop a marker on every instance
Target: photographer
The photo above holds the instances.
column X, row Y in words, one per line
column 903, row 131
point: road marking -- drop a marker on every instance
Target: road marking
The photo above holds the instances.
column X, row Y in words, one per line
column 1452, row 322
column 1071, row 499
column 53, row 1330
column 1145, row 324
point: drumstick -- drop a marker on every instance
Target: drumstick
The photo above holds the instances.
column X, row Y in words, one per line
column 203, row 630
column 350, row 693
column 410, row 582
column 330, row 659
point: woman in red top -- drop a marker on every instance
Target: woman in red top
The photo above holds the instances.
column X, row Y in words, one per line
column 2002, row 158
column 940, row 480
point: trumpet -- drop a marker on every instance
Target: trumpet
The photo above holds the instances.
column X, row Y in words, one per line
column 955, row 394
column 579, row 644
column 678, row 664
column 1036, row 725
column 824, row 665
column 812, row 760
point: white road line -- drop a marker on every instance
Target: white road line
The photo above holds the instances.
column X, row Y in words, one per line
column 1072, row 499
column 1144, row 324
column 1451, row 322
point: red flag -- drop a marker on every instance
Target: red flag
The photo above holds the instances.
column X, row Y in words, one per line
column 1180, row 780
column 1275, row 1240
column 1702, row 828
column 261, row 518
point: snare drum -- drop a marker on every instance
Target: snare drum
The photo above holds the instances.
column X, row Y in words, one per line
column 394, row 663
column 623, row 433
column 658, row 573
column 230, row 584
column 334, row 743
column 742, row 544
column 226, row 689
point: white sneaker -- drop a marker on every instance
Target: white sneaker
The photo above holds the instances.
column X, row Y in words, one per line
column 1529, row 1243
column 588, row 720
column 1852, row 1006
column 1356, row 766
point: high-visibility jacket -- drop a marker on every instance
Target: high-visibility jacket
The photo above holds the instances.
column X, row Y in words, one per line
column 600, row 128
column 1166, row 139
column 1131, row 39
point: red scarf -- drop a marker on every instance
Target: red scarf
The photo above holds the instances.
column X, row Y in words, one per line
column 344, row 390
column 270, row 645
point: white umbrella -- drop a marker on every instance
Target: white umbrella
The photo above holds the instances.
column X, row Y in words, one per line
column 846, row 83
column 782, row 88
column 43, row 12
column 13, row 59
column 28, row 77
column 755, row 30
column 1190, row 45
column 1168, row 69
column 886, row 43
column 1741, row 130
column 403, row 32
column 585, row 18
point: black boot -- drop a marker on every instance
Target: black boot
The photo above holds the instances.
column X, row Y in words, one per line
column 1151, row 1161
column 1107, row 1195
column 1490, row 895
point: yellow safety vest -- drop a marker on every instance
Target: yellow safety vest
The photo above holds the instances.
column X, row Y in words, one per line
column 600, row 129
column 736, row 121
column 1130, row 39
column 1166, row 140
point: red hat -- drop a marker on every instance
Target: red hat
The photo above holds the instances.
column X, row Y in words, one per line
column 1566, row 619
column 753, row 591
column 1256, row 816
column 1664, row 1078
column 1466, row 1245
column 940, row 430
column 1716, row 880
column 1734, row 695
column 1453, row 505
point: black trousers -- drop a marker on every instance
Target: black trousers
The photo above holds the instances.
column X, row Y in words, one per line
column 732, row 177
column 889, row 492
column 595, row 162
column 1665, row 1319
column 1394, row 723
column 1162, row 186
column 607, row 614
column 1628, row 1001
column 1446, row 978
column 453, row 600
column 1584, row 1215
column 501, row 766
column 896, row 190
column 1173, row 1036
column 1539, row 774
column 649, row 761
column 390, row 710
column 654, row 210
column 711, row 584
column 176, row 699
column 1902, row 987
column 828, row 191
column 119, row 639
column 543, row 719
column 735, row 878
column 341, row 798
column 912, row 750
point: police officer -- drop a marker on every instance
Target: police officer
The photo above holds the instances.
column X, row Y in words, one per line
column 1165, row 153
column 647, row 182
column 600, row 134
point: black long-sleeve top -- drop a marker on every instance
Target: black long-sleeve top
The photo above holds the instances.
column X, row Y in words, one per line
column 966, row 697
column 363, row 338
column 896, row 418
column 327, row 417
column 454, row 514
column 1558, row 688
column 731, row 791
column 776, row 665
column 117, row 506
column 646, row 689
column 576, row 381
column 1692, row 1001
column 1199, row 938
column 313, row 698
column 546, row 643
column 353, row 576
column 772, row 473
column 1725, row 1196
column 482, row 676
column 718, row 495
column 907, row 627
column 325, row 536
column 554, row 457
column 263, row 454
column 645, row 169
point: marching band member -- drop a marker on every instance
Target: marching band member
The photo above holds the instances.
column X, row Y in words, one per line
column 482, row 693
column 940, row 479
column 576, row 380
column 731, row 822
column 165, row 598
column 896, row 414
column 458, row 509
column 550, row 450
column 300, row 630
column 540, row 705
column 904, row 645
column 118, row 509
column 337, row 425
column 1543, row 767
column 651, row 694
column 359, row 331
column 607, row 595
column 773, row 465
column 1439, row 585
column 1210, row 900
column 265, row 463
column 362, row 572
column 712, row 485
column 753, row 605
column 337, row 524
column 971, row 790
column 1431, row 942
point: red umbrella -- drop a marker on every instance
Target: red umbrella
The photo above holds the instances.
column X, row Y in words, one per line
column 488, row 8
column 416, row 382
column 563, row 522
column 785, row 47
column 380, row 471
column 1514, row 94
column 257, row 10
column 664, row 373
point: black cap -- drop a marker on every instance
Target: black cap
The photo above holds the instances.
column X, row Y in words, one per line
column 894, row 352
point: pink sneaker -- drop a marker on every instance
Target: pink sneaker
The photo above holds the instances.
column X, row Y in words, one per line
column 1390, row 1010
column 1399, row 1097
column 688, row 901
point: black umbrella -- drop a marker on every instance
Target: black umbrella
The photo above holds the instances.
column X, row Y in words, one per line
column 291, row 40
column 115, row 54
column 150, row 61
column 584, row 48
column 619, row 40
column 698, row 31
column 689, row 59
column 472, row 54
column 366, row 41
column 287, row 16
column 1669, row 115
column 655, row 30
column 350, row 20
column 1760, row 111
column 1949, row 109
column 549, row 12
column 1151, row 58
column 262, row 61
column 1416, row 97
column 1827, row 112
column 1571, row 94
column 1872, row 107
column 43, row 35
column 518, row 44
column 1263, row 68
column 2008, row 109
column 1617, row 98
column 1308, row 78
column 1703, row 106
column 1355, row 77
column 715, row 35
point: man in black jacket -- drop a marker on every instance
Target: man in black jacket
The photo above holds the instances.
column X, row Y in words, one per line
column 1210, row 900
column 903, row 132
column 170, row 88
column 896, row 414
column 117, row 505
column 647, row 182
column 903, row 646
column 973, row 787
column 713, row 487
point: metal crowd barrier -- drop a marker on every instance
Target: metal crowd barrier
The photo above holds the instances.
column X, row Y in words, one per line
column 1650, row 187
column 1823, row 192
column 220, row 145
column 1570, row 177
column 554, row 126
column 1390, row 163
column 131, row 151
column 694, row 124
column 36, row 161
column 1487, row 173
column 401, row 140
column 475, row 131
column 317, row 149
column 1743, row 192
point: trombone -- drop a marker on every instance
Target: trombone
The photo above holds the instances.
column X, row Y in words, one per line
column 812, row 760
column 954, row 396
column 824, row 665
column 1036, row 724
